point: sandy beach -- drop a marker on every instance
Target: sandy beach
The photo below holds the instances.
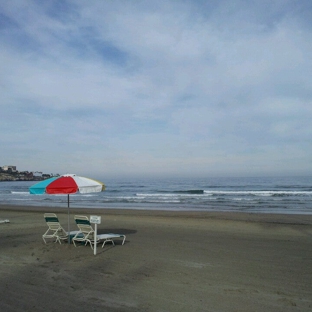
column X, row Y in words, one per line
column 171, row 261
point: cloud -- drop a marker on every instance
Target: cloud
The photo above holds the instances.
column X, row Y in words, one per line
column 168, row 88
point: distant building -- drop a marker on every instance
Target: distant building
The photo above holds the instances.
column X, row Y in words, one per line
column 37, row 174
column 9, row 168
column 10, row 173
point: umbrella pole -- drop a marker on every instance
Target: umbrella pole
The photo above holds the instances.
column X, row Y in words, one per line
column 68, row 218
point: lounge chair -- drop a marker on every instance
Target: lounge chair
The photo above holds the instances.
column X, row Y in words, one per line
column 86, row 229
column 55, row 230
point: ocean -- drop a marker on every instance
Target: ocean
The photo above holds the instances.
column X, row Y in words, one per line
column 288, row 195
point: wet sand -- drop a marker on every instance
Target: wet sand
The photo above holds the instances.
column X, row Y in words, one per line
column 171, row 261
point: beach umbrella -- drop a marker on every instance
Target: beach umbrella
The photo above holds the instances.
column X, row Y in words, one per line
column 67, row 184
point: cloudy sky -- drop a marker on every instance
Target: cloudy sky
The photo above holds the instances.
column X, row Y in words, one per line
column 143, row 88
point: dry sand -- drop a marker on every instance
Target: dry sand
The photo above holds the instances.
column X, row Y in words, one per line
column 171, row 261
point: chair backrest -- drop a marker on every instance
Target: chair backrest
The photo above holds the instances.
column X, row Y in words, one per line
column 53, row 222
column 82, row 220
column 51, row 217
column 84, row 225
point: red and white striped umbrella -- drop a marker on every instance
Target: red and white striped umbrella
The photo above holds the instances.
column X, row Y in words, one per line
column 67, row 184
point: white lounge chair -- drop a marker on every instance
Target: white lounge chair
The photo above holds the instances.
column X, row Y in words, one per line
column 55, row 230
column 86, row 229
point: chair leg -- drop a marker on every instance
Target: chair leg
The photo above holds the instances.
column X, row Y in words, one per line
column 108, row 240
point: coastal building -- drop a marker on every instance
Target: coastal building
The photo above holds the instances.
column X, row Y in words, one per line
column 9, row 168
column 37, row 174
column 10, row 173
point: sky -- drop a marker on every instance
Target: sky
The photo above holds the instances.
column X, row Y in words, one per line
column 125, row 88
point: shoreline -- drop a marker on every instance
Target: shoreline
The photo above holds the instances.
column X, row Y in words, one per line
column 203, row 215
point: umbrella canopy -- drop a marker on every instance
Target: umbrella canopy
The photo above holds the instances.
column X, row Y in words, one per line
column 67, row 184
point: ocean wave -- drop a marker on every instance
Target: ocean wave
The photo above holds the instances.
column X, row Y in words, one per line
column 20, row 193
column 184, row 192
column 171, row 194
column 259, row 193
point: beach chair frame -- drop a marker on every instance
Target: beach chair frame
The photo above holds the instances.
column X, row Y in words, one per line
column 55, row 230
column 86, row 233
column 109, row 238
